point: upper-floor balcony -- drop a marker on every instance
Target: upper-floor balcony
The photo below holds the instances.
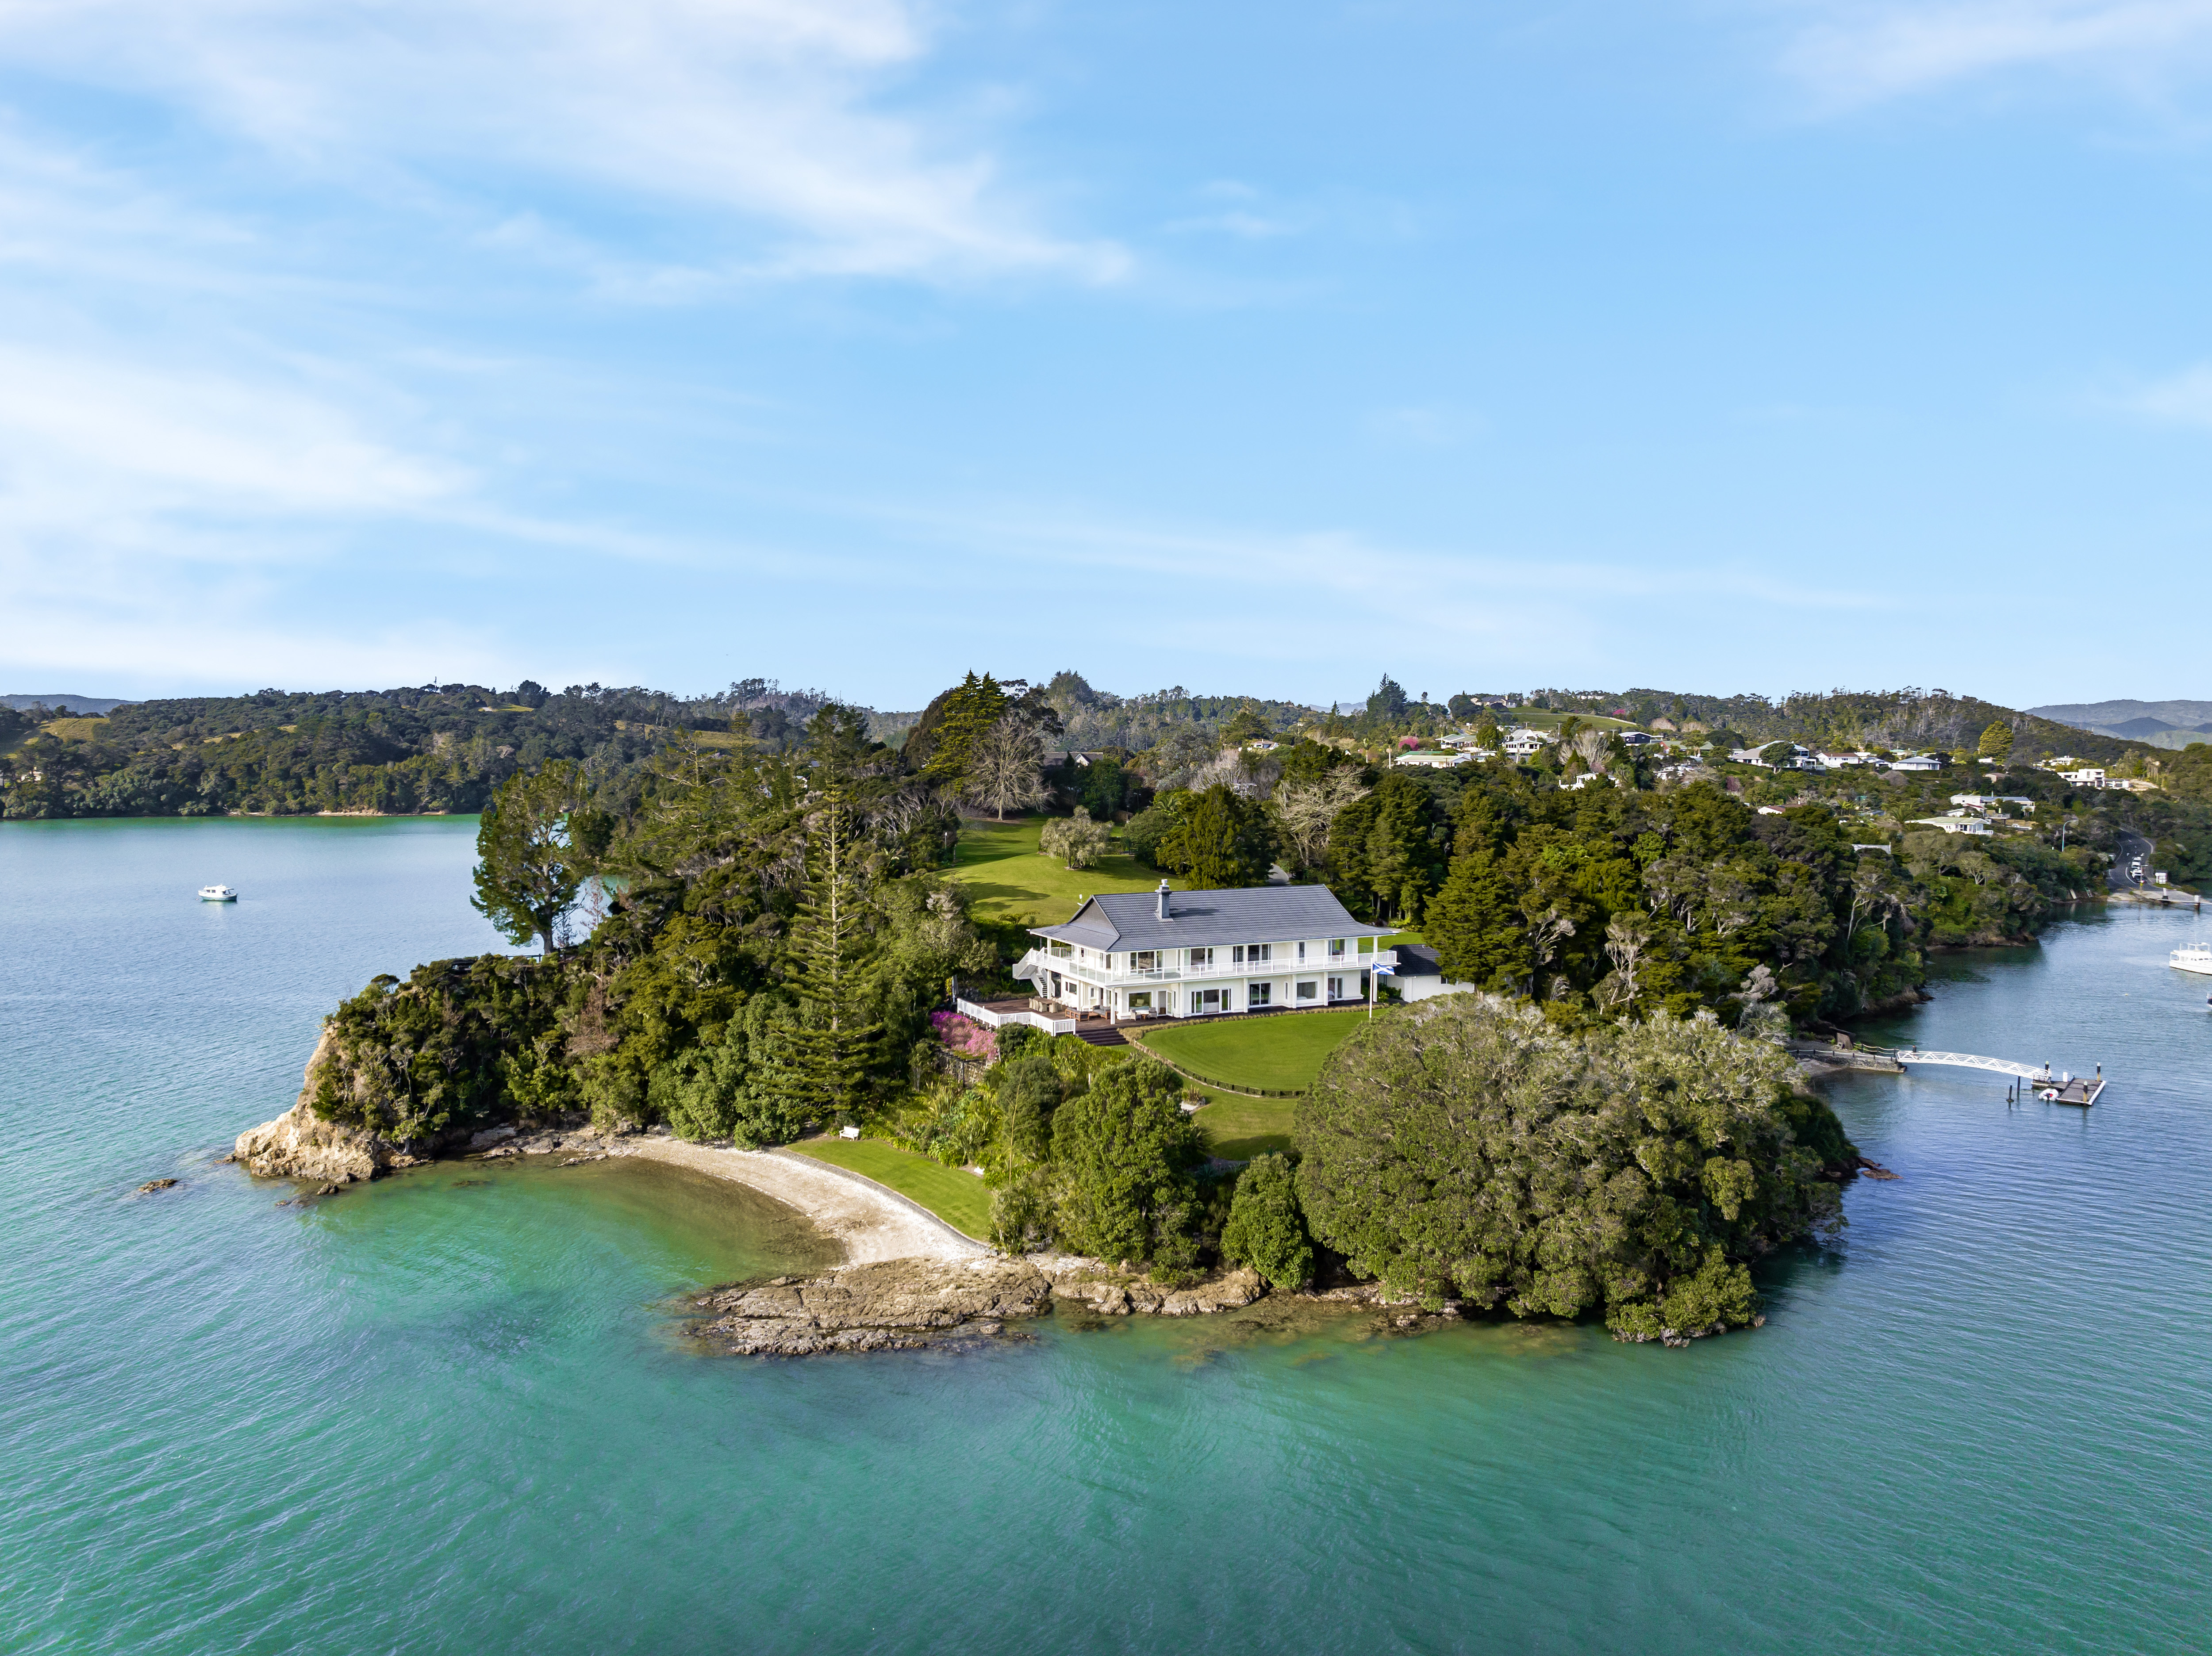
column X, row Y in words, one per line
column 1093, row 971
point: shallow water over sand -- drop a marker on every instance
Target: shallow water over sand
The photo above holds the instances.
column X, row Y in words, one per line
column 440, row 1414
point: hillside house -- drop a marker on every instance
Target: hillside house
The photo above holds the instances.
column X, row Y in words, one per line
column 1168, row 954
column 1956, row 823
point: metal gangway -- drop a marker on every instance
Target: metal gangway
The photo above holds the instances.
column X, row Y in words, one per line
column 2003, row 1066
column 2029, row 1079
column 2081, row 1090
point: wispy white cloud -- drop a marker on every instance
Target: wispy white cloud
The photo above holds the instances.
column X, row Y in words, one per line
column 84, row 437
column 772, row 114
column 1861, row 51
column 2179, row 399
column 1427, row 425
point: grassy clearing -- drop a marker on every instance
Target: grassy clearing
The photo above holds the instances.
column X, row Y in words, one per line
column 1279, row 1053
column 74, row 730
column 1000, row 863
column 958, row 1199
column 1240, row 1128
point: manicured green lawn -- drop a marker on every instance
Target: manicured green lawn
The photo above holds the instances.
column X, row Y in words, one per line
column 1241, row 1128
column 1279, row 1053
column 1000, row 863
column 958, row 1199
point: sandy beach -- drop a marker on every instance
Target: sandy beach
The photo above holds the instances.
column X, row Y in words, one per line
column 870, row 1223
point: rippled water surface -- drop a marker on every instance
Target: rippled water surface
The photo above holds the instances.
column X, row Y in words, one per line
column 439, row 1416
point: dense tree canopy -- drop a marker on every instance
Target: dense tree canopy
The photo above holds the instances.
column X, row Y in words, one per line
column 1469, row 1148
column 1215, row 838
column 1127, row 1155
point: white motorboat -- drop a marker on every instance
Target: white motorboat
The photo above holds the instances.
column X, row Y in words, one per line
column 223, row 894
column 2196, row 958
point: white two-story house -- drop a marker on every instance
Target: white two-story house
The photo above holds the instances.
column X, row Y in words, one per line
column 1198, row 953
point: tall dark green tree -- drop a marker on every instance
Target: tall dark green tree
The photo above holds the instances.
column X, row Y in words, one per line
column 833, row 1050
column 944, row 741
column 1387, row 852
column 1219, row 840
column 1128, row 1155
column 1388, row 700
column 1265, row 1230
column 529, row 866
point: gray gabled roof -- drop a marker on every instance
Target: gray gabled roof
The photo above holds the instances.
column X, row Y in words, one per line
column 1265, row 913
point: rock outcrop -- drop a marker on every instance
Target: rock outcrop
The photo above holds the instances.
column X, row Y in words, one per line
column 1113, row 1295
column 300, row 1144
column 896, row 1305
column 892, row 1305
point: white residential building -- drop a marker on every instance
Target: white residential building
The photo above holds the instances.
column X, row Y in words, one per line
column 1429, row 759
column 1198, row 953
column 2089, row 777
column 1958, row 822
column 1526, row 743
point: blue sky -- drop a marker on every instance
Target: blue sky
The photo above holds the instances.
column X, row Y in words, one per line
column 1732, row 345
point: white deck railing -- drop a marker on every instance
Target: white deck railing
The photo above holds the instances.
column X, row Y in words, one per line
column 1083, row 971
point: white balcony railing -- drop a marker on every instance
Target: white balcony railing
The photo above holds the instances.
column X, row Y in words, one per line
column 1090, row 972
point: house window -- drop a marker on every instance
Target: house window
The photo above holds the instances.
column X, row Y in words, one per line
column 1336, row 988
column 1336, row 949
column 1259, row 994
column 1141, row 1000
column 1201, row 959
column 1145, row 960
column 1301, row 954
column 1209, row 1000
column 1308, row 989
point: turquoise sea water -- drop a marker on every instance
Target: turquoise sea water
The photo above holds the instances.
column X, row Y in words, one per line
column 427, row 1415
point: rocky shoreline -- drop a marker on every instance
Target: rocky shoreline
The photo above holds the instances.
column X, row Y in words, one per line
column 906, row 1305
column 909, row 1282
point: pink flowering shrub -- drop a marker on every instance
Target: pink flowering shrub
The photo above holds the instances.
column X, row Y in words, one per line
column 965, row 1036
column 1409, row 741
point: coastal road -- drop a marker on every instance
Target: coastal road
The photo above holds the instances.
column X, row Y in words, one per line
column 2131, row 845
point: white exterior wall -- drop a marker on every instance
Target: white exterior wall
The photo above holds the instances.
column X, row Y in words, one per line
column 1086, row 979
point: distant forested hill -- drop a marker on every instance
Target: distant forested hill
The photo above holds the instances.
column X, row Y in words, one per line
column 2162, row 724
column 1091, row 719
column 1899, row 719
column 437, row 749
column 59, row 700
